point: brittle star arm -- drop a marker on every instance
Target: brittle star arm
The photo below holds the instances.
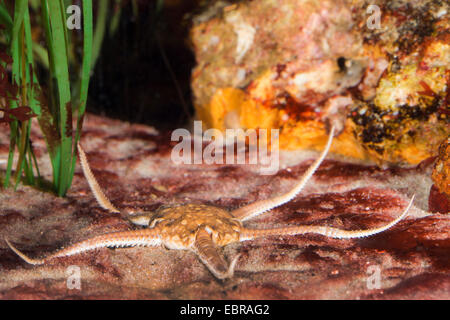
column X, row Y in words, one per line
column 102, row 200
column 132, row 238
column 209, row 254
column 250, row 234
column 259, row 207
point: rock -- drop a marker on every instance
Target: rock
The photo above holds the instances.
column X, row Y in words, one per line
column 379, row 73
column 439, row 200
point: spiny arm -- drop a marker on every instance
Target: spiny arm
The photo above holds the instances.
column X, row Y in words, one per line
column 256, row 208
column 133, row 238
column 208, row 253
column 102, row 200
column 248, row 234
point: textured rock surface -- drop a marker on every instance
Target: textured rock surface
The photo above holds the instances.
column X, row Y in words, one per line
column 439, row 200
column 132, row 163
column 295, row 65
column 441, row 172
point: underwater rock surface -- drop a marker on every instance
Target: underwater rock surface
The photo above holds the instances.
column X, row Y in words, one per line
column 378, row 70
column 133, row 165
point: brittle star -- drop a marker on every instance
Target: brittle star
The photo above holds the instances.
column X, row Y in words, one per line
column 202, row 229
